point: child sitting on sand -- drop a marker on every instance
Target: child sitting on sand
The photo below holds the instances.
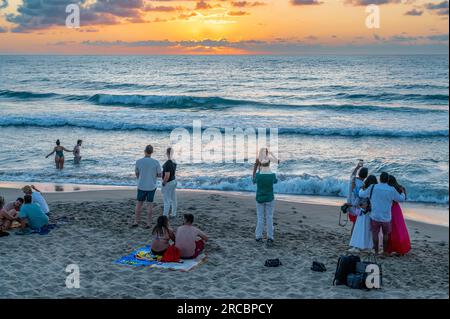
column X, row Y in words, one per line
column 187, row 239
column 162, row 235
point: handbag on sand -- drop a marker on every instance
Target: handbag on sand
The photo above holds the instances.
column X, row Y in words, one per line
column 358, row 279
column 361, row 268
column 273, row 263
column 172, row 255
column 346, row 265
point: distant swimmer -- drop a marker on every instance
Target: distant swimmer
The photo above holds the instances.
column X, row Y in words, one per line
column 77, row 152
column 59, row 155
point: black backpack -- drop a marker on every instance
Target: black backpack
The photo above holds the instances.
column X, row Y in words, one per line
column 346, row 265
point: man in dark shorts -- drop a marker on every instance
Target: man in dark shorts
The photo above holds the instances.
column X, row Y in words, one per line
column 147, row 170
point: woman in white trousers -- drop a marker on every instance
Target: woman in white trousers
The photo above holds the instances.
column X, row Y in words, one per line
column 169, row 185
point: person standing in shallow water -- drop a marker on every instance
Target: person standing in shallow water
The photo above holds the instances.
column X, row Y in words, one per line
column 77, row 152
column 59, row 154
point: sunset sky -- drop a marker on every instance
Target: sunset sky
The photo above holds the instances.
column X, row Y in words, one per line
column 223, row 27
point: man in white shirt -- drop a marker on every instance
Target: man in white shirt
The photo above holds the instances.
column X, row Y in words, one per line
column 37, row 197
column 381, row 198
column 147, row 172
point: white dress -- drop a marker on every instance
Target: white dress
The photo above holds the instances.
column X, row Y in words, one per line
column 362, row 236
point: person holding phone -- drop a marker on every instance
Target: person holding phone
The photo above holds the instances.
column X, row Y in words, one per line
column 357, row 178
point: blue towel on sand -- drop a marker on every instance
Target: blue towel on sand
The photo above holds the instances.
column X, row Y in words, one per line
column 147, row 259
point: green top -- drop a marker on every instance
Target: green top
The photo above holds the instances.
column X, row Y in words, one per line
column 264, row 187
column 36, row 217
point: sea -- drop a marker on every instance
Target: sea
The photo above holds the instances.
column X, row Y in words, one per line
column 329, row 112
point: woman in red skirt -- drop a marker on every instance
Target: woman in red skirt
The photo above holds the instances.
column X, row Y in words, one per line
column 399, row 241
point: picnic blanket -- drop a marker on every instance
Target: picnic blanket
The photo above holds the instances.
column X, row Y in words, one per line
column 143, row 257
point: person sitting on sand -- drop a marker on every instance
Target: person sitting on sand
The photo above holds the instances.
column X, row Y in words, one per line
column 162, row 235
column 265, row 199
column 6, row 218
column 147, row 170
column 9, row 212
column 77, row 152
column 58, row 150
column 37, row 197
column 3, row 218
column 31, row 214
column 14, row 206
column 187, row 239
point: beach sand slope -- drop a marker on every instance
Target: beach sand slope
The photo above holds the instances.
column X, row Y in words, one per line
column 96, row 231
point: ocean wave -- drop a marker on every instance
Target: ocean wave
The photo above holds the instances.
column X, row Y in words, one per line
column 155, row 101
column 396, row 96
column 109, row 125
column 26, row 95
column 304, row 184
column 210, row 102
column 180, row 101
column 363, row 132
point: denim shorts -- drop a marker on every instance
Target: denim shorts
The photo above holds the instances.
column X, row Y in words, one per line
column 146, row 196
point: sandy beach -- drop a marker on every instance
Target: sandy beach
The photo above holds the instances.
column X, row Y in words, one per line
column 96, row 231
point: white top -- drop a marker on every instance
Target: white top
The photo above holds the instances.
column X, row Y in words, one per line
column 147, row 170
column 382, row 198
column 40, row 200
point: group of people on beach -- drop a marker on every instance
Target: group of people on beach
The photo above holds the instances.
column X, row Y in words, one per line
column 373, row 206
column 29, row 212
column 188, row 240
column 59, row 150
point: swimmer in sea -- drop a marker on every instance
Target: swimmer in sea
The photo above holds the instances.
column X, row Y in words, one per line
column 59, row 155
column 77, row 152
